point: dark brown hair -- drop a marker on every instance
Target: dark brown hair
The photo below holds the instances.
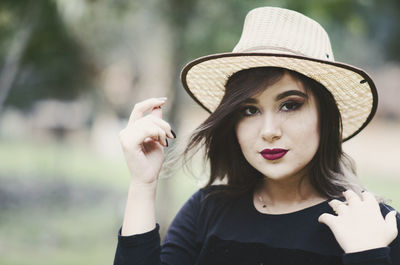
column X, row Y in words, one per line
column 330, row 170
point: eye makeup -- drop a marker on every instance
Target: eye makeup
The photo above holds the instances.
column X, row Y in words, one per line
column 292, row 100
column 291, row 105
column 286, row 106
column 248, row 110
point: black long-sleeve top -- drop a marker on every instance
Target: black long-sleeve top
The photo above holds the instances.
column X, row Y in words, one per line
column 233, row 232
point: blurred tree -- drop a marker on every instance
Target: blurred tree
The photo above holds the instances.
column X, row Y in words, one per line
column 373, row 23
column 39, row 58
column 178, row 14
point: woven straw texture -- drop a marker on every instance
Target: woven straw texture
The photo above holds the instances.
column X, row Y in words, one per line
column 272, row 29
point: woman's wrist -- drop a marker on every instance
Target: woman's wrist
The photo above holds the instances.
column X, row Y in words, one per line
column 142, row 192
column 143, row 187
column 140, row 209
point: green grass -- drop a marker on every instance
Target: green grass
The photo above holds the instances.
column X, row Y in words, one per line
column 67, row 203
column 63, row 236
column 57, row 214
column 59, row 160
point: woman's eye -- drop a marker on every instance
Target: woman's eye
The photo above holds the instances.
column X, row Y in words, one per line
column 250, row 111
column 292, row 105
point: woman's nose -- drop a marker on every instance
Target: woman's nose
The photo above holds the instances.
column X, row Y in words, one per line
column 271, row 129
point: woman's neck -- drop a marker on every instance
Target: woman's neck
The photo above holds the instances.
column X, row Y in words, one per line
column 288, row 192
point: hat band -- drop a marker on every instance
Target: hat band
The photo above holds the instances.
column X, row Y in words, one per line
column 272, row 48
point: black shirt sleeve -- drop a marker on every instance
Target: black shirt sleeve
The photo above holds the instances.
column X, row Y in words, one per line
column 138, row 249
column 377, row 256
column 179, row 245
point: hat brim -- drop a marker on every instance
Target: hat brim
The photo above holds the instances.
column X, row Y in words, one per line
column 354, row 91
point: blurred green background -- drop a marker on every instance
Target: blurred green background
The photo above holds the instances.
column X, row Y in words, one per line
column 70, row 73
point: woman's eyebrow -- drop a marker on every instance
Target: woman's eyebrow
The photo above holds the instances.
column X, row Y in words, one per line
column 291, row 93
column 280, row 96
column 250, row 100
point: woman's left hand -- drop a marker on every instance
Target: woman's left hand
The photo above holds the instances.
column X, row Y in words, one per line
column 359, row 224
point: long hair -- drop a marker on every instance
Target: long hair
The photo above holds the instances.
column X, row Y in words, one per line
column 330, row 171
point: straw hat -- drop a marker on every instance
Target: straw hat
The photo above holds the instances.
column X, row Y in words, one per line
column 284, row 38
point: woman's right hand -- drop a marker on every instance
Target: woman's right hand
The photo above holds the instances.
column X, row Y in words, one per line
column 143, row 141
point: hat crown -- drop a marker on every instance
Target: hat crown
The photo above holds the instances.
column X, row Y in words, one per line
column 283, row 31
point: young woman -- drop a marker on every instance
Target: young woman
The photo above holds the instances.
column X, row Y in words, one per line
column 280, row 109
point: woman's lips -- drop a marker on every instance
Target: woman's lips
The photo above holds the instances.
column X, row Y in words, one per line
column 273, row 154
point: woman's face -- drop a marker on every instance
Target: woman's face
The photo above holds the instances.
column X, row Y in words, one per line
column 278, row 130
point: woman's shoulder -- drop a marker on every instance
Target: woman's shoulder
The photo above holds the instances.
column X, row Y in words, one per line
column 221, row 192
column 209, row 192
column 385, row 209
column 204, row 192
column 213, row 188
column 213, row 195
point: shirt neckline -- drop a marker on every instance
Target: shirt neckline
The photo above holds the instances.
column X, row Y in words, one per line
column 298, row 212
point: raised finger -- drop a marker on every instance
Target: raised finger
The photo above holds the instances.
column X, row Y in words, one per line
column 162, row 124
column 327, row 219
column 351, row 197
column 157, row 112
column 140, row 108
column 338, row 206
column 157, row 135
column 368, row 197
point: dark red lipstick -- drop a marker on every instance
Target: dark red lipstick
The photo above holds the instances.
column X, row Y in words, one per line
column 273, row 154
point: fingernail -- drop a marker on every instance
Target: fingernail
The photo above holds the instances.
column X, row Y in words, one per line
column 173, row 133
column 162, row 98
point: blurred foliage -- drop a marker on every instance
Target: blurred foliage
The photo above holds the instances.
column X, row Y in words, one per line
column 64, row 212
column 53, row 64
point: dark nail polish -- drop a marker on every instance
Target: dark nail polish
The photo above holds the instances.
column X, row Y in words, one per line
column 166, row 142
column 173, row 133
